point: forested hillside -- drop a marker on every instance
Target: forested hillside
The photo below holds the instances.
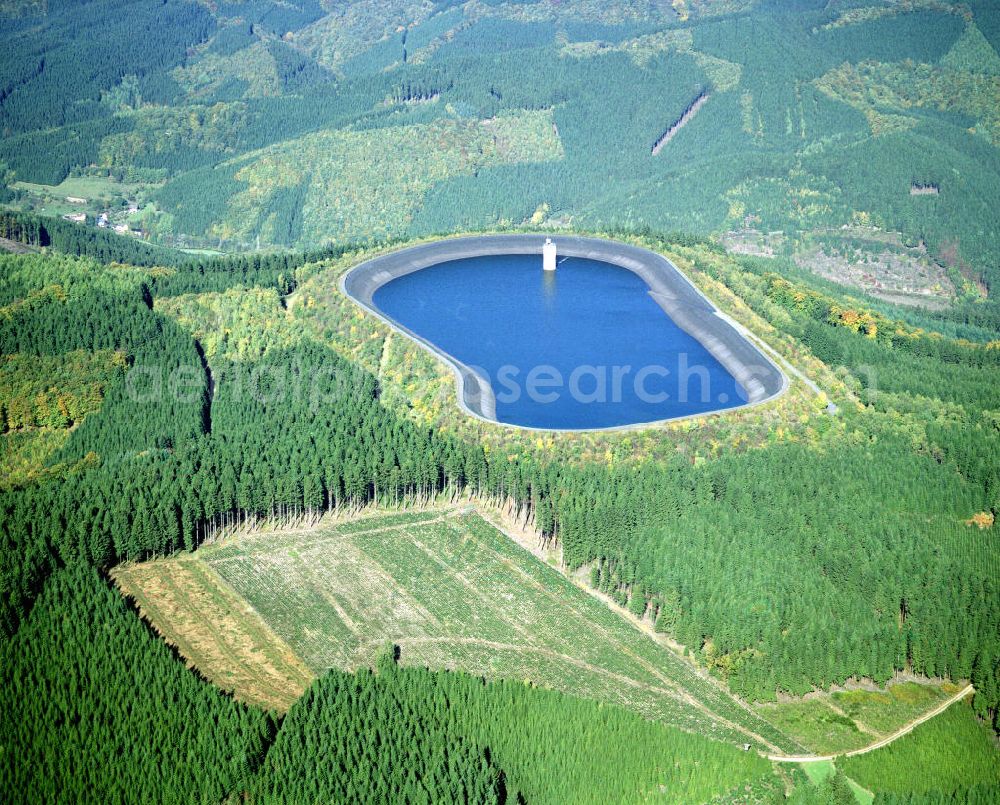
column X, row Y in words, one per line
column 267, row 123
column 96, row 708
column 902, row 573
column 183, row 185
column 176, row 449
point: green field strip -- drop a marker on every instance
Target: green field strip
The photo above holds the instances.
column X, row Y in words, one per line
column 530, row 607
column 305, row 571
column 627, row 640
column 530, row 602
column 387, row 521
column 461, row 609
column 265, row 638
column 661, row 662
column 317, row 638
column 505, row 599
column 366, row 595
column 625, row 649
column 326, row 616
column 885, row 712
column 816, row 726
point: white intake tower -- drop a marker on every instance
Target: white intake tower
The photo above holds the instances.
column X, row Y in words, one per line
column 549, row 255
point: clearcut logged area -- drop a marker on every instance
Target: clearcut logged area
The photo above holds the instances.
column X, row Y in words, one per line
column 451, row 592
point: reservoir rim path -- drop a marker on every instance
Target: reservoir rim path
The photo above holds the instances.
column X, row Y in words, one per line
column 685, row 304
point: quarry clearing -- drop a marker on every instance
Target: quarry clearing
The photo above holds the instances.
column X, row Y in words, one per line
column 871, row 260
column 892, row 275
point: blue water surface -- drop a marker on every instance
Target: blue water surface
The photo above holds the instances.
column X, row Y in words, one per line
column 583, row 347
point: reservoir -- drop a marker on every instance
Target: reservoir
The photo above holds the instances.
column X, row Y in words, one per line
column 586, row 346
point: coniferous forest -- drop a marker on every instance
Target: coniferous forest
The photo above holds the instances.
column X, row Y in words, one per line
column 199, row 374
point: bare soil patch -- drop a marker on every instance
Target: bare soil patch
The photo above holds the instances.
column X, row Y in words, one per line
column 215, row 630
